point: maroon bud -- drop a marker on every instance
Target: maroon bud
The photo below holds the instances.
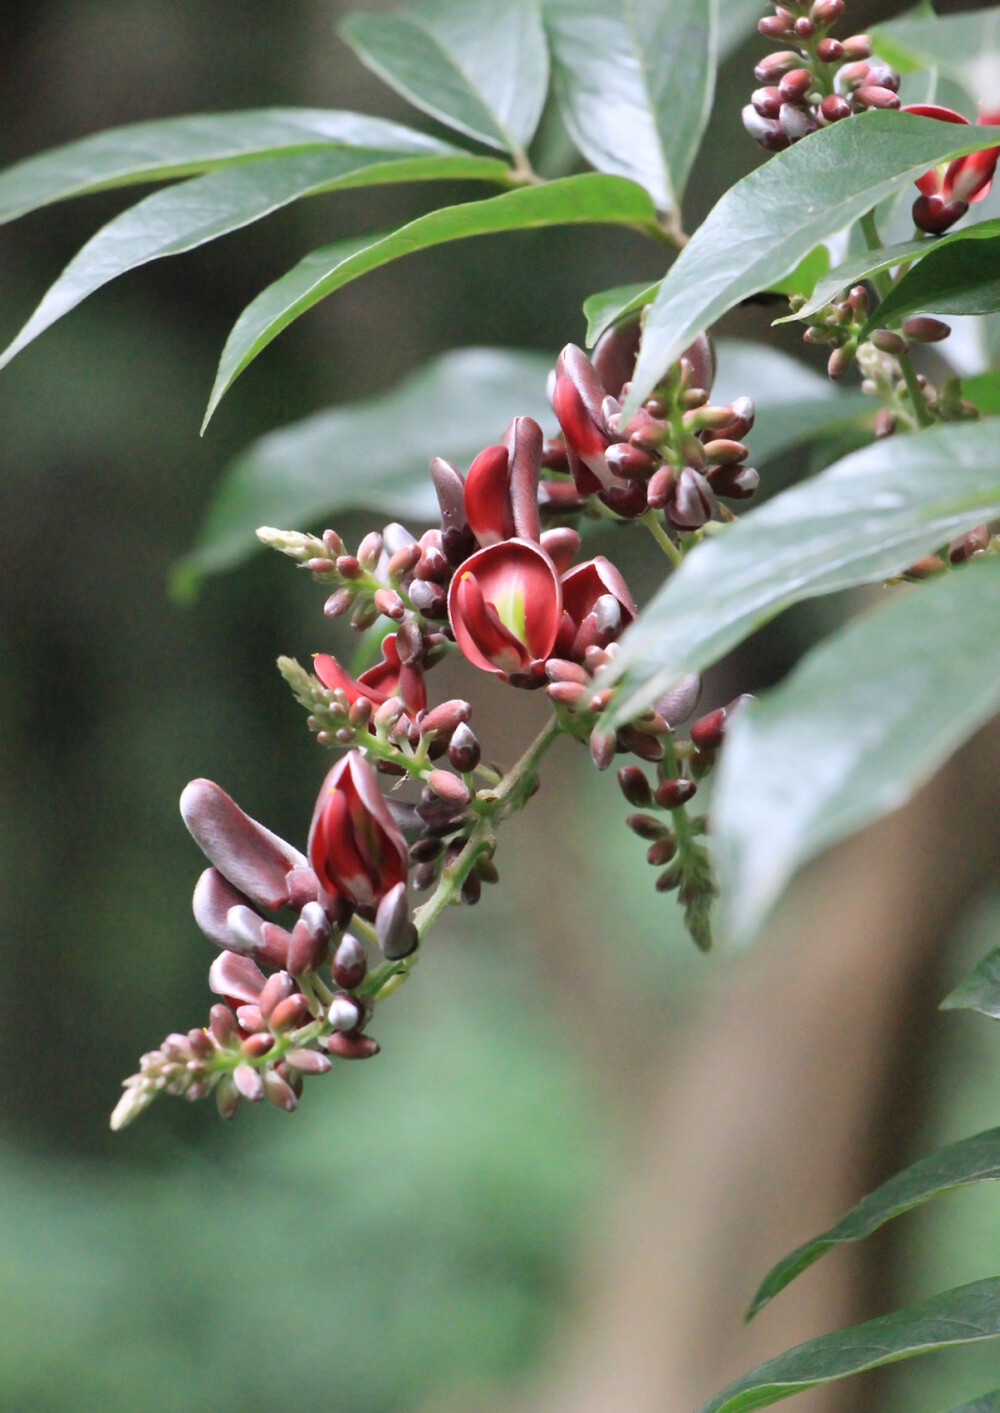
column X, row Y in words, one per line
column 885, row 423
column 561, row 545
column 280, row 1092
column 567, row 694
column 975, row 542
column 352, row 1047
column 472, row 890
column 290, row 1013
column 630, row 462
column 771, row 68
column 933, row 215
column 796, row 123
column 774, row 27
column 734, row 482
column 707, row 731
column 432, row 565
column 661, row 852
column 671, row 794
column 394, row 932
column 448, row 787
column 647, row 826
column 628, row 500
column 227, row 1098
column 449, row 488
column 834, row 108
column 426, row 850
column 333, row 542
column 403, row 562
column 830, row 51
column 457, row 544
column 640, row 743
column 765, row 131
column 443, row 719
column 387, row 601
column 826, row 12
column 248, row 1083
column 881, row 74
column 888, row 341
column 853, row 75
column 660, row 490
column 428, row 599
column 222, row 1024
column 463, row 749
column 677, row 705
column 559, row 669
column 339, row 602
column 669, row 880
column 602, row 748
column 200, row 1043
column 723, row 451
column 554, row 457
column 840, row 361
column 255, row 1047
column 307, row 1061
column 634, row 786
column 345, row 1014
column 693, row 503
column 804, row 28
column 349, row 963
column 310, row 940
column 858, row 46
column 615, row 353
column 277, row 987
column 875, row 96
column 795, row 85
column 767, row 101
column 921, row 328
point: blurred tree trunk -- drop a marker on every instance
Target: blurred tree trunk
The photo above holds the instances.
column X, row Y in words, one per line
column 794, row 1089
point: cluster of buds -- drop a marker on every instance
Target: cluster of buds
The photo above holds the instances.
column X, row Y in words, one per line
column 677, row 455
column 946, row 191
column 818, row 80
column 310, row 941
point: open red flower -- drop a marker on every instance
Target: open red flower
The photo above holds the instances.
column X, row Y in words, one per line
column 597, row 606
column 505, row 606
column 355, row 845
column 389, row 678
column 501, row 489
column 946, row 191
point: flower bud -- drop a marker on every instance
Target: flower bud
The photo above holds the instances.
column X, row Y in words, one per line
column 707, row 731
column 796, row 123
column 290, row 1013
column 830, row 51
column 279, row 1091
column 256, row 1046
column 248, row 1083
column 351, row 1047
column 345, row 1014
column 795, row 85
column 307, row 1061
column 369, row 550
column 350, row 963
column 693, row 503
column 463, row 749
column 734, row 482
column 277, row 988
column 647, row 826
column 834, row 108
column 921, row 328
column 858, row 46
column 826, row 12
column 771, row 68
column 660, row 490
column 661, row 852
column 804, row 28
column 968, row 545
column 634, row 785
column 602, row 748
column 355, row 845
column 442, row 720
column 338, row 603
column 871, row 95
column 672, row 794
column 227, row 1098
column 394, row 932
column 222, row 1024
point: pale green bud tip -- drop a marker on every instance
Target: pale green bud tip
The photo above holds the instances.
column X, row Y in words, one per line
column 137, row 1097
column 292, row 542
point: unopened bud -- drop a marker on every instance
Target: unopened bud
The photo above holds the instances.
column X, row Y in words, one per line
column 428, row 598
column 826, row 12
column 661, row 852
column 858, row 46
column 830, row 51
column 840, row 360
column 774, row 27
column 333, row 543
column 291, row 1013
column 767, row 101
column 602, row 748
column 671, row 794
column 797, row 123
column 873, row 95
column 973, row 543
column 248, row 1083
column 734, row 482
column 348, row 566
column 804, row 28
column 463, row 749
column 387, row 601
column 345, row 1014
column 933, row 215
column 350, row 963
column 693, row 503
column 566, row 694
column 369, row 550
column 227, row 1097
column 834, row 108
column 707, row 731
column 277, row 987
column 768, row 132
column 222, row 1024
column 448, row 787
column 338, row 603
column 888, row 341
column 279, row 1091
column 394, row 932
column 443, row 719
column 255, row 1047
column 921, row 328
column 351, row 1047
column 660, row 490
column 647, row 826
column 795, row 85
column 771, row 68
column 634, row 785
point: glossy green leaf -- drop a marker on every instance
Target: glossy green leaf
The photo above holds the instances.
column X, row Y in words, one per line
column 372, row 454
column 634, row 80
column 181, row 147
column 863, row 519
column 962, row 1316
column 608, row 306
column 477, row 66
column 863, row 721
column 763, row 226
column 970, row 1160
column 872, row 262
column 802, row 280
column 590, row 198
column 988, row 1403
column 207, row 207
column 983, row 389
column 965, row 48
column 958, row 279
column 980, row 990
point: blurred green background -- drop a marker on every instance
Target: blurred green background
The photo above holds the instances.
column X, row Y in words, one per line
column 411, row 1238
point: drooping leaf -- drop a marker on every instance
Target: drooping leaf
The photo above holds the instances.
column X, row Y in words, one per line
column 962, row 1316
column 872, row 262
column 762, row 227
column 964, row 48
column 181, row 147
column 207, row 207
column 957, row 279
column 590, row 198
column 862, row 722
column 867, row 517
column 634, row 80
column 372, row 454
column 980, row 990
column 970, row 1160
column 477, row 66
column 608, row 306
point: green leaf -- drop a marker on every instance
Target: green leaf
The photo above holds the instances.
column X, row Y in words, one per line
column 477, row 66
column 983, row 389
column 964, row 48
column 962, row 279
column 867, row 517
column 863, row 721
column 980, row 990
column 181, row 147
column 634, row 80
column 962, row 1316
column 987, row 1403
column 296, row 477
column 762, row 227
column 970, row 1160
column 871, row 262
column 608, row 306
column 206, row 207
column 737, row 22
column 569, row 201
column 802, row 280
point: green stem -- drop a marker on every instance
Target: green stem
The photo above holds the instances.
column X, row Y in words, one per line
column 920, row 409
column 881, row 279
column 661, row 537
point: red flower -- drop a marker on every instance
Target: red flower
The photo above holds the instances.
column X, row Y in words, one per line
column 388, row 678
column 578, row 397
column 597, row 605
column 501, row 489
column 946, row 191
column 355, row 846
column 505, row 606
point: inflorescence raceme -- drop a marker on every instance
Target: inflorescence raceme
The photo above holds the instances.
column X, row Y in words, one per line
column 310, row 941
